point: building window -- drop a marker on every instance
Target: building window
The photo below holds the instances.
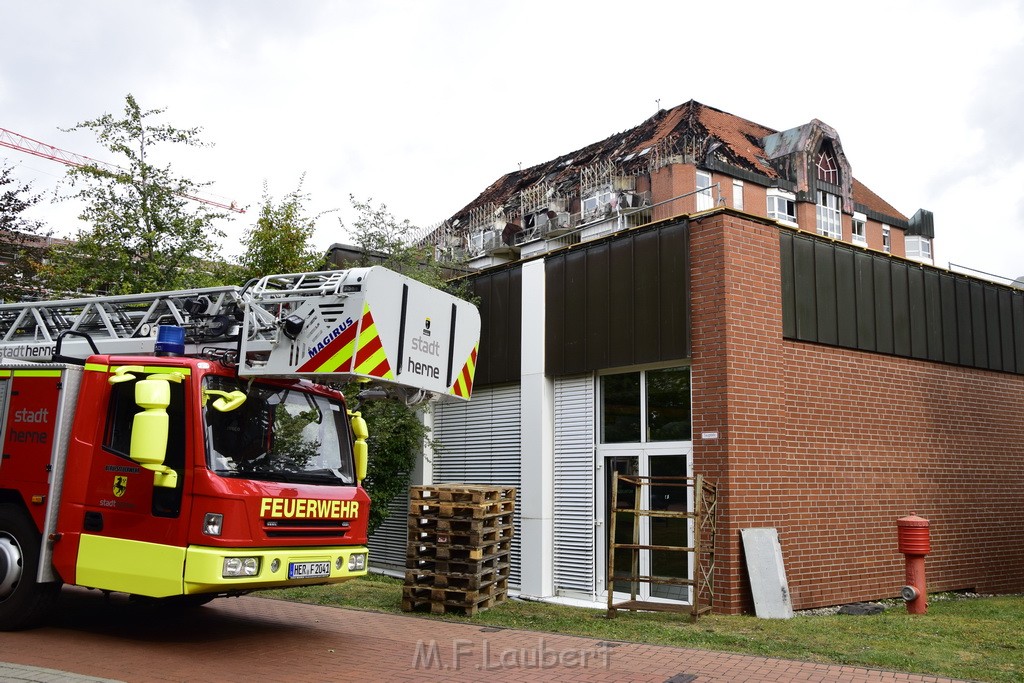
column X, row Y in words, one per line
column 704, row 198
column 737, row 195
column 919, row 248
column 782, row 206
column 860, row 229
column 598, row 206
column 830, row 218
column 886, row 240
column 644, row 407
column 828, row 169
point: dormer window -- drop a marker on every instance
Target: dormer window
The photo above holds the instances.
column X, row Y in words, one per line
column 828, row 169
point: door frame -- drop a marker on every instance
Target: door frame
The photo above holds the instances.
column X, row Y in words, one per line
column 644, row 453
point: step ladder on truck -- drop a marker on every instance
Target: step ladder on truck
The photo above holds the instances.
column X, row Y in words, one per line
column 181, row 446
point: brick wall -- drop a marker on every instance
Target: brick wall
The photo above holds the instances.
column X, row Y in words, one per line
column 830, row 446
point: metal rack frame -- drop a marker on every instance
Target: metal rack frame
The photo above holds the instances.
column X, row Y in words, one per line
column 705, row 502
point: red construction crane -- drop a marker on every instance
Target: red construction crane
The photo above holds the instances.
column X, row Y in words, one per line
column 12, row 140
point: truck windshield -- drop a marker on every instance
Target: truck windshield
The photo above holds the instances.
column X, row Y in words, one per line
column 278, row 434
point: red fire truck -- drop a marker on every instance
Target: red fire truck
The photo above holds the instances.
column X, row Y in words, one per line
column 185, row 445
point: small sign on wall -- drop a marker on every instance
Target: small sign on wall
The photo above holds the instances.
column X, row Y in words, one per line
column 707, row 436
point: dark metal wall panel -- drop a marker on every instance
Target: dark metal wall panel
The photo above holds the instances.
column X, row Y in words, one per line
column 918, row 329
column 620, row 337
column 1006, row 330
column 846, row 298
column 554, row 307
column 933, row 314
column 840, row 295
column 1018, row 332
column 674, row 316
column 825, row 289
column 619, row 301
column 900, row 309
column 597, row 308
column 950, row 327
column 964, row 333
column 992, row 329
column 501, row 309
column 575, row 313
column 806, row 296
column 864, row 266
column 979, row 325
column 883, row 306
column 788, row 285
column 646, row 302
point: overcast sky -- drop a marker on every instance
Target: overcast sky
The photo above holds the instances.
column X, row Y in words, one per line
column 423, row 104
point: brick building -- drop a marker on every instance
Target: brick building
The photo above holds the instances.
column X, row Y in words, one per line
column 675, row 317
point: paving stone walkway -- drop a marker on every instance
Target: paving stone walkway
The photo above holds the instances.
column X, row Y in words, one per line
column 254, row 639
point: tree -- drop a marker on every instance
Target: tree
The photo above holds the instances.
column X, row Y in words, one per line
column 280, row 240
column 22, row 242
column 144, row 234
column 397, row 434
column 384, row 239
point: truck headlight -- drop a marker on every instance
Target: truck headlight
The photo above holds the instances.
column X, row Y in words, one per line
column 240, row 566
column 357, row 562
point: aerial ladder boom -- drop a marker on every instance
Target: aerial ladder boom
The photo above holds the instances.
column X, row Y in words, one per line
column 361, row 323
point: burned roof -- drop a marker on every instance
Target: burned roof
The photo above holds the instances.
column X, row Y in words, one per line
column 691, row 131
column 687, row 129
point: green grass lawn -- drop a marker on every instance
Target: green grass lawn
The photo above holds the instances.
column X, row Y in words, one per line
column 980, row 639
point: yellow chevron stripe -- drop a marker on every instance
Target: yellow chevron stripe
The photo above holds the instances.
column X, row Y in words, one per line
column 339, row 361
column 367, row 334
column 372, row 362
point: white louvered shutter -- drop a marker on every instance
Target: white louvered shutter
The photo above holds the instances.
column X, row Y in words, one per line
column 388, row 544
column 479, row 443
column 574, row 551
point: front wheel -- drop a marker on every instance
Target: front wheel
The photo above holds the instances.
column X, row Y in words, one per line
column 23, row 601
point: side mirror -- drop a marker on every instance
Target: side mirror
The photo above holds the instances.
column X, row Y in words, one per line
column 362, row 454
column 226, row 402
column 150, row 430
column 360, row 449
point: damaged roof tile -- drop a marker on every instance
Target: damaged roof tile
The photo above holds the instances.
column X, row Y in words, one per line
column 689, row 129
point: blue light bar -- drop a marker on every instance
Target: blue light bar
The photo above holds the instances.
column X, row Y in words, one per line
column 170, row 340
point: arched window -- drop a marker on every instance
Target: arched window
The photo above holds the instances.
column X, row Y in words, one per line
column 828, row 169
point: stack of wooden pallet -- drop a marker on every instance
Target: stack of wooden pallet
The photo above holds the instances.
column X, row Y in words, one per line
column 460, row 540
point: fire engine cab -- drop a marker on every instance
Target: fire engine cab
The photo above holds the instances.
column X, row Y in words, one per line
column 187, row 445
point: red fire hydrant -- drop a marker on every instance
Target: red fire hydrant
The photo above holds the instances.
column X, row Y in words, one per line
column 914, row 543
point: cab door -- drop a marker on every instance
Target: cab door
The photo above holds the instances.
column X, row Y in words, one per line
column 133, row 536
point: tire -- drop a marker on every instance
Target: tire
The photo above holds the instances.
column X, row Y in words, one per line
column 24, row 603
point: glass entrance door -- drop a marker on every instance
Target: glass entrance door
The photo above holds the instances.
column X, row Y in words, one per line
column 644, row 430
column 647, row 530
column 625, row 522
column 670, row 531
